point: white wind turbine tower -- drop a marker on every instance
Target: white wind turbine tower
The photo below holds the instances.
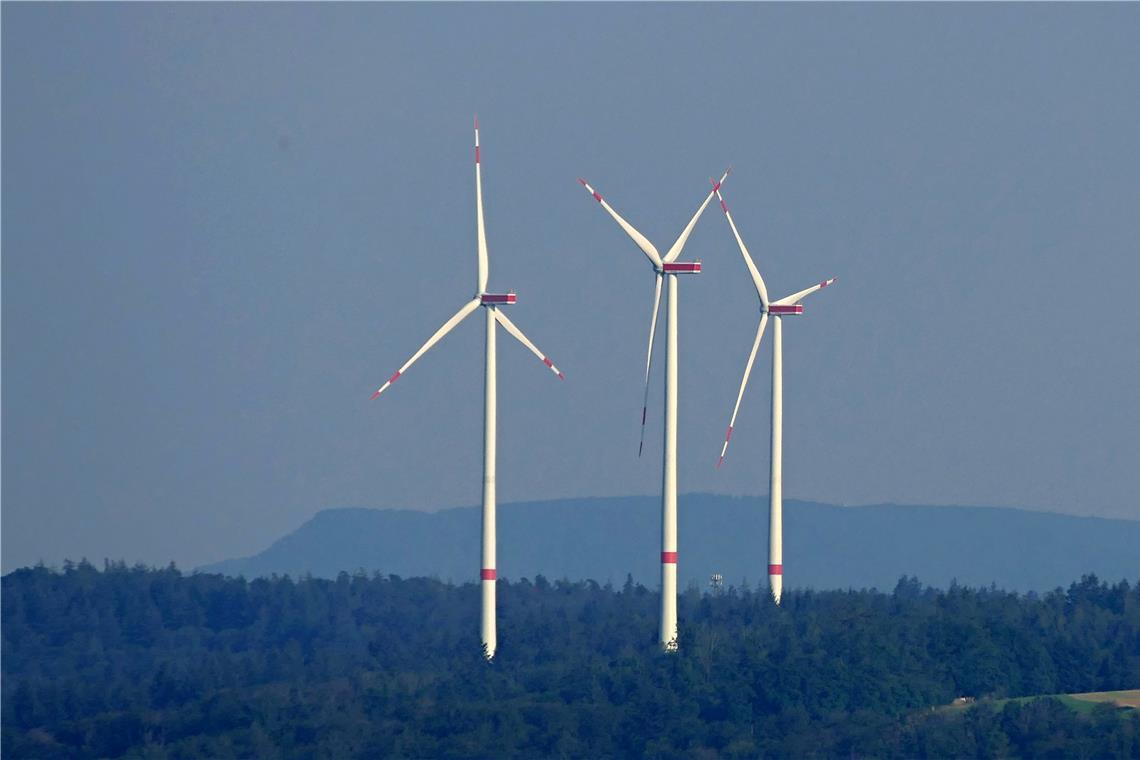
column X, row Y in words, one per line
column 664, row 266
column 787, row 306
column 490, row 303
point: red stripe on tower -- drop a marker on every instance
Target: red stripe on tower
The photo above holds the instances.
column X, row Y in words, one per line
column 487, row 574
column 668, row 558
column 775, row 569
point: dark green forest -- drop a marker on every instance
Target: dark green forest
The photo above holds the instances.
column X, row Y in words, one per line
column 138, row 662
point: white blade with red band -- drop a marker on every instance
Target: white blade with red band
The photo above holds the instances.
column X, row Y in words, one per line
column 642, row 242
column 513, row 330
column 743, row 385
column 447, row 327
column 797, row 297
column 481, row 233
column 675, row 251
column 757, row 280
column 649, row 357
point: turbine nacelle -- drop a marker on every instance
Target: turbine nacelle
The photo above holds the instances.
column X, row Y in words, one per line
column 498, row 299
column 785, row 310
column 681, row 267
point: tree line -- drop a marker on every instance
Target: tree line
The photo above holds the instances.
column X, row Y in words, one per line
column 142, row 662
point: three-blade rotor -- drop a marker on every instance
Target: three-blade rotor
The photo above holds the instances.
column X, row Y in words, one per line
column 658, row 261
column 766, row 308
column 482, row 298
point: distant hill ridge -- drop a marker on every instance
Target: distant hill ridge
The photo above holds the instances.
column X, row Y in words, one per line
column 825, row 546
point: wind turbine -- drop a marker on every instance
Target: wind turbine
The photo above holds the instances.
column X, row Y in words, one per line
column 785, row 307
column 665, row 266
column 490, row 303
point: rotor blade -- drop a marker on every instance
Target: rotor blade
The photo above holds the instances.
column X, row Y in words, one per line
column 675, row 251
column 484, row 265
column 510, row 327
column 757, row 280
column 795, row 298
column 649, row 357
column 743, row 385
column 642, row 242
column 447, row 327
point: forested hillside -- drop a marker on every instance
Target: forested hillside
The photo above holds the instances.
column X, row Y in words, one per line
column 154, row 663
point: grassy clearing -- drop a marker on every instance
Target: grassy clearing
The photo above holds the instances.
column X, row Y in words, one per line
column 1081, row 703
column 1127, row 698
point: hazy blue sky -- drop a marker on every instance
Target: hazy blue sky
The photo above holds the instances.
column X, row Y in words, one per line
column 225, row 225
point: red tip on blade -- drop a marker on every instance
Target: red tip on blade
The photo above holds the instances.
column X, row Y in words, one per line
column 476, row 122
column 825, row 283
column 719, row 462
column 561, row 376
column 374, row 395
column 582, row 182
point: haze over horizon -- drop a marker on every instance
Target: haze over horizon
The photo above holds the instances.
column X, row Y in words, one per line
column 225, row 225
